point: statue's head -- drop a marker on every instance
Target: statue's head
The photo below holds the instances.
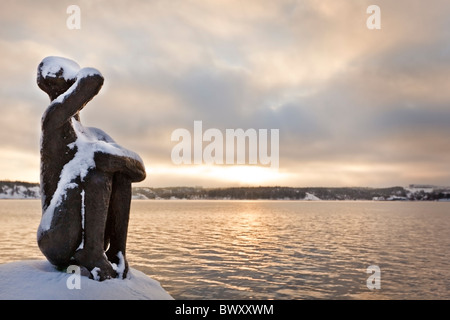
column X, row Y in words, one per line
column 55, row 75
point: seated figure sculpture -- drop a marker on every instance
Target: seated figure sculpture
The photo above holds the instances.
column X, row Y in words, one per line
column 86, row 177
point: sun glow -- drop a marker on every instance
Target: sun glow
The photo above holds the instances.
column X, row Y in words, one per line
column 247, row 175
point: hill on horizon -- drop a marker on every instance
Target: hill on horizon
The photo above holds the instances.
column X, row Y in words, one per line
column 27, row 190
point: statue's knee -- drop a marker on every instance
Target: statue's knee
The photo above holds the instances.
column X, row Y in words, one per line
column 57, row 249
column 98, row 180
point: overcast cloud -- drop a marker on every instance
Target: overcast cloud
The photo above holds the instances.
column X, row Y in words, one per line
column 355, row 107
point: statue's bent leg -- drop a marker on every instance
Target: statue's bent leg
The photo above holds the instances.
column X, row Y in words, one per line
column 97, row 187
column 60, row 241
column 117, row 222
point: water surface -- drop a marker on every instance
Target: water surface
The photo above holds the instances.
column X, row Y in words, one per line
column 272, row 249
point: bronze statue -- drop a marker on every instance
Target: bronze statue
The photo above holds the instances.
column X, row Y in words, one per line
column 85, row 177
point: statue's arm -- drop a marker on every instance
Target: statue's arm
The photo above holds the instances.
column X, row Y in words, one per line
column 88, row 84
column 133, row 168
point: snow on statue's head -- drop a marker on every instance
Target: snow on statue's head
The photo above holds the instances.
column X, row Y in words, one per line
column 56, row 74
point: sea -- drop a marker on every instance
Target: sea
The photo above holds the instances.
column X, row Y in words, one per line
column 281, row 250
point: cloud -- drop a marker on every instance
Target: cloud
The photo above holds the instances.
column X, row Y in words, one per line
column 353, row 106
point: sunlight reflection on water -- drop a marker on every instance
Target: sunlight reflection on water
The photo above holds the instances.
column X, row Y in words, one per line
column 272, row 249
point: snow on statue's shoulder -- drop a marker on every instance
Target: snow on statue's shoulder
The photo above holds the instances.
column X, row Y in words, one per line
column 39, row 280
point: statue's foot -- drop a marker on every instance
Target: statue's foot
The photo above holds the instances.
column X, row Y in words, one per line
column 97, row 264
column 118, row 262
column 103, row 272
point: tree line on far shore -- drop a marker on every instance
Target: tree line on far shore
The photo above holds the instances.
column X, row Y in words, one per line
column 18, row 189
column 290, row 193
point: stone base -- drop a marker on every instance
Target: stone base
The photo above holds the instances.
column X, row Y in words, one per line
column 40, row 280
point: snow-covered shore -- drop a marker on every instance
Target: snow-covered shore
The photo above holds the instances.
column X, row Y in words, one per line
column 39, row 280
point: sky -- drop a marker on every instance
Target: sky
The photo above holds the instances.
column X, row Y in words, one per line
column 354, row 106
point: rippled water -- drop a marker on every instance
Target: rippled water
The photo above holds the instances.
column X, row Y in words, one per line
column 273, row 249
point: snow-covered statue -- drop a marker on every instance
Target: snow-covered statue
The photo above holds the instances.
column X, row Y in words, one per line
column 85, row 177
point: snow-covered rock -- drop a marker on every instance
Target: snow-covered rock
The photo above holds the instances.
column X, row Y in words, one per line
column 311, row 197
column 40, row 280
column 19, row 190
